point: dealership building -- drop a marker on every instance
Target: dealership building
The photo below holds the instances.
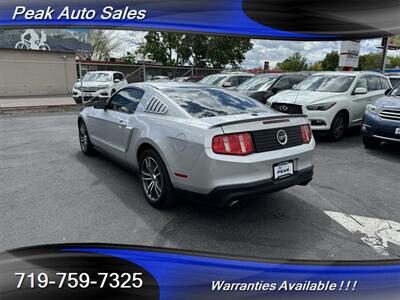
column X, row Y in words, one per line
column 40, row 62
column 35, row 73
column 36, row 62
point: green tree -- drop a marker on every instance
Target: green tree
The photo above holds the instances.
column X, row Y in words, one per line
column 129, row 58
column 195, row 49
column 394, row 61
column 224, row 50
column 370, row 61
column 294, row 63
column 316, row 67
column 330, row 62
column 168, row 48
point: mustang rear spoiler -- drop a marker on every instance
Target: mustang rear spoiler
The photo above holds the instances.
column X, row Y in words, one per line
column 266, row 120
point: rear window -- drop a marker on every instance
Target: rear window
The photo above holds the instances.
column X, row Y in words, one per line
column 210, row 102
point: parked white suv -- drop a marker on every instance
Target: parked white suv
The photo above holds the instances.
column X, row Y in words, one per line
column 98, row 85
column 226, row 80
column 333, row 101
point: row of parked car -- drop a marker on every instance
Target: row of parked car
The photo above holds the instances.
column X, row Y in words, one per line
column 333, row 101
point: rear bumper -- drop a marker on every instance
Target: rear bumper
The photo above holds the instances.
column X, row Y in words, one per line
column 374, row 126
column 222, row 195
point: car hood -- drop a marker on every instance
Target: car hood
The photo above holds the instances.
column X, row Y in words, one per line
column 388, row 102
column 92, row 83
column 303, row 97
column 251, row 93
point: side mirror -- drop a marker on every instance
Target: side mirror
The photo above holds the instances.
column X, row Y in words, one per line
column 275, row 90
column 387, row 92
column 360, row 91
column 101, row 104
column 116, row 80
column 227, row 84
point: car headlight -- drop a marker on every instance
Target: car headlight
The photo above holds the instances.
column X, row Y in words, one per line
column 77, row 86
column 372, row 108
column 103, row 87
column 321, row 107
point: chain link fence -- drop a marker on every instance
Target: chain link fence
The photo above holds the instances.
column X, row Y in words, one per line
column 144, row 72
column 25, row 74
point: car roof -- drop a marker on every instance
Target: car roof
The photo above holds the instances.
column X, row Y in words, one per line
column 347, row 73
column 232, row 74
column 161, row 85
column 281, row 74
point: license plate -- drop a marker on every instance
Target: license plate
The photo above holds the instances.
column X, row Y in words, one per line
column 283, row 169
column 87, row 94
column 397, row 131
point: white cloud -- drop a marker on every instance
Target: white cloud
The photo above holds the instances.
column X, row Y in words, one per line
column 277, row 51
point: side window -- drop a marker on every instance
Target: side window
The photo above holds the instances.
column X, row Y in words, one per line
column 384, row 83
column 233, row 80
column 118, row 76
column 126, row 100
column 283, row 84
column 361, row 82
column 295, row 80
column 374, row 83
column 243, row 79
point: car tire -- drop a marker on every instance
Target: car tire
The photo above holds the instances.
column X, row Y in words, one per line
column 370, row 142
column 338, row 127
column 154, row 180
column 84, row 140
column 78, row 101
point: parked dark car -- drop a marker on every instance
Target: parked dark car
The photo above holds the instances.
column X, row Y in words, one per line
column 381, row 121
column 263, row 86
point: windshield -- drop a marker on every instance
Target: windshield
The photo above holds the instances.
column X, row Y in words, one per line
column 396, row 91
column 210, row 102
column 212, row 80
column 326, row 83
column 102, row 77
column 259, row 83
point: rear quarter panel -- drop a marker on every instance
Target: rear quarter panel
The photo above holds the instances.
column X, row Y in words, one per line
column 179, row 141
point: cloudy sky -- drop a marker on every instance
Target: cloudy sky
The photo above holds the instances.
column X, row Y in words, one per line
column 272, row 51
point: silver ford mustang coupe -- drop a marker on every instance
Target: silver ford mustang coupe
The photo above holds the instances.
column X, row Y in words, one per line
column 206, row 143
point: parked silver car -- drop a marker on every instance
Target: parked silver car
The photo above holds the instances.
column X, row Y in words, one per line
column 212, row 144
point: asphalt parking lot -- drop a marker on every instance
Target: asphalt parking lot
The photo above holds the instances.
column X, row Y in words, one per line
column 51, row 193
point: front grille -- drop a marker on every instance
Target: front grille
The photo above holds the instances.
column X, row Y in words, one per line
column 287, row 108
column 90, row 89
column 390, row 114
column 266, row 140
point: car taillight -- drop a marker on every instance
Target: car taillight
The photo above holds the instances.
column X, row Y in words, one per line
column 233, row 144
column 306, row 133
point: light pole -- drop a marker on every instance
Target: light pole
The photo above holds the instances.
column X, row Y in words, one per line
column 385, row 50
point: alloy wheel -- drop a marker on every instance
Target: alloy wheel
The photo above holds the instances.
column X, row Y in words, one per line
column 151, row 178
column 83, row 137
column 339, row 127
